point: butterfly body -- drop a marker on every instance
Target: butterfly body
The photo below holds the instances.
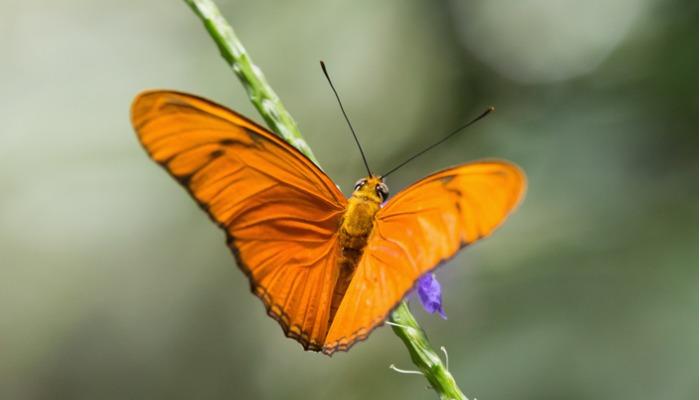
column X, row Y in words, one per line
column 327, row 268
column 356, row 226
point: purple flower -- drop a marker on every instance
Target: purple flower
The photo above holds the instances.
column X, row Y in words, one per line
column 430, row 294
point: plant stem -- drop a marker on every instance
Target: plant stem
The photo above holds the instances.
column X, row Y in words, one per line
column 280, row 121
column 259, row 91
column 423, row 356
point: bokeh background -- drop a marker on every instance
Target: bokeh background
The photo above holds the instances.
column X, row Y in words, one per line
column 114, row 285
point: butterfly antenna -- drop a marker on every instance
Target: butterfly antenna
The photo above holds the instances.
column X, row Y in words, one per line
column 456, row 131
column 325, row 72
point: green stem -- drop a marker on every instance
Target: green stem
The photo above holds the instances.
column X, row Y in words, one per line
column 280, row 121
column 423, row 356
column 259, row 91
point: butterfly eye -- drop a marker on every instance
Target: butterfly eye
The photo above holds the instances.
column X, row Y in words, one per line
column 359, row 184
column 382, row 191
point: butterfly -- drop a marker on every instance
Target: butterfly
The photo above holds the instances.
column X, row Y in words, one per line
column 327, row 268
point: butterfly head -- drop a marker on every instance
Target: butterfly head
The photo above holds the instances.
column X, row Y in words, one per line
column 371, row 188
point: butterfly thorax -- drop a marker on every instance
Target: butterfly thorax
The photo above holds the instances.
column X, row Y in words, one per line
column 358, row 220
column 355, row 228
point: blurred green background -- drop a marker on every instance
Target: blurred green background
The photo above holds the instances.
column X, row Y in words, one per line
column 114, row 285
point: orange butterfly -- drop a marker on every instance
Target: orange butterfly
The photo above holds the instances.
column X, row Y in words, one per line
column 327, row 268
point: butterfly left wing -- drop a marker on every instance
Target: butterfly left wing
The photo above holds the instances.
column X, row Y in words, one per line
column 280, row 211
column 423, row 226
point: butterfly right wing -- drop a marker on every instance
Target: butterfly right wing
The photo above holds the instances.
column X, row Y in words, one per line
column 280, row 211
column 417, row 230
